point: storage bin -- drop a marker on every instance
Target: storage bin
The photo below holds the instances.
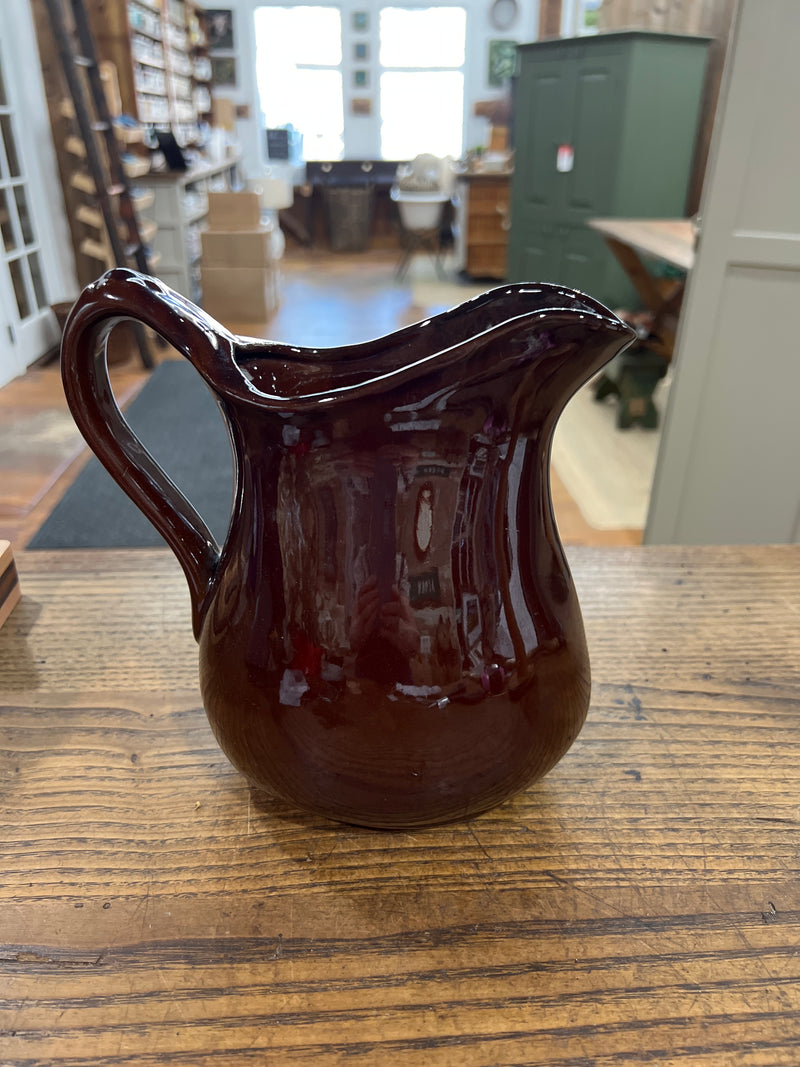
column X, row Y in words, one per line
column 349, row 209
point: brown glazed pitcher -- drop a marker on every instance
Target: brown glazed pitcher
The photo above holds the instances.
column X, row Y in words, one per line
column 390, row 634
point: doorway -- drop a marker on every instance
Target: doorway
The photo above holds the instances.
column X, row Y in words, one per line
column 30, row 274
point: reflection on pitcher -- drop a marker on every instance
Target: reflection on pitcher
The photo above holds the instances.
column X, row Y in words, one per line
column 383, row 634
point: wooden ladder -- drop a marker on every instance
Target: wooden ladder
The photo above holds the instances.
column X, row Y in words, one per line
column 107, row 183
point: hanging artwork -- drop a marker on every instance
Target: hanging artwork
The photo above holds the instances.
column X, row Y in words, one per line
column 361, row 105
column 219, row 29
column 223, row 70
column 502, row 61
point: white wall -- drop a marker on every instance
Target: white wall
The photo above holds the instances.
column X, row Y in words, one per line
column 362, row 134
column 729, row 464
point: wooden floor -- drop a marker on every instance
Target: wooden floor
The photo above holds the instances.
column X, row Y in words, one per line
column 327, row 300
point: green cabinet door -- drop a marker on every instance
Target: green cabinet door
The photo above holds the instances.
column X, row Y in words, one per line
column 547, row 89
column 567, row 255
column 536, row 257
column 595, row 131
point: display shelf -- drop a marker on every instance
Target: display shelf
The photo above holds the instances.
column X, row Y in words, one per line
column 143, row 198
column 150, row 61
column 177, row 226
column 151, row 47
column 136, row 168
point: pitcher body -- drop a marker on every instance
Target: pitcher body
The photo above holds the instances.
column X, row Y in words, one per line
column 390, row 635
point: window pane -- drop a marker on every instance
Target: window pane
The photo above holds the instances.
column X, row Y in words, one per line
column 421, row 111
column 590, row 13
column 427, row 37
column 6, row 225
column 37, row 279
column 290, row 43
column 24, row 215
column 20, row 291
column 318, row 113
column 309, row 36
column 3, row 100
column 11, row 146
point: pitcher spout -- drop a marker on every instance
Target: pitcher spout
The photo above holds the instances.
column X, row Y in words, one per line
column 501, row 331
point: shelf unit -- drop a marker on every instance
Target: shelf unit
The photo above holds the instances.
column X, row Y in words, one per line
column 155, row 46
column 201, row 62
column 180, row 207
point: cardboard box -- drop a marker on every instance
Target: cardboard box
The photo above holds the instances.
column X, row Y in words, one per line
column 239, row 294
column 244, row 248
column 234, row 211
column 223, row 113
column 9, row 582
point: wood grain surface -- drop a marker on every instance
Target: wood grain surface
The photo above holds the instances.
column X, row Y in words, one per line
column 641, row 904
column 671, row 240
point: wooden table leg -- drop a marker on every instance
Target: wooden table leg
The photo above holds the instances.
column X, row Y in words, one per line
column 661, row 298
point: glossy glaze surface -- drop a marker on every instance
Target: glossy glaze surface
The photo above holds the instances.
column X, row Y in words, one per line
column 390, row 634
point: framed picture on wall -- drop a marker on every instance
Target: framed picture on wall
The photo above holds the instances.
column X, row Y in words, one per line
column 360, row 79
column 223, row 71
column 360, row 21
column 502, row 60
column 361, row 105
column 219, row 29
column 361, row 52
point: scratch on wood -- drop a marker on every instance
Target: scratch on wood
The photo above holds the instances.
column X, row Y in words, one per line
column 68, row 961
column 477, row 842
column 634, row 703
column 771, row 914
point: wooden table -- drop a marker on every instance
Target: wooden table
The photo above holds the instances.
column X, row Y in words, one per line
column 668, row 240
column 641, row 904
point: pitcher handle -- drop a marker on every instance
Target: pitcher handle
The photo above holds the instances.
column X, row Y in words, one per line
column 119, row 295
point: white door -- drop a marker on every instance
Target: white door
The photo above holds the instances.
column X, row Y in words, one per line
column 27, row 272
column 730, row 452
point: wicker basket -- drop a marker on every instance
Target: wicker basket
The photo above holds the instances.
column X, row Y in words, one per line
column 349, row 216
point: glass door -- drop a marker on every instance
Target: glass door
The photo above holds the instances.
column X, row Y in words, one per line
column 26, row 322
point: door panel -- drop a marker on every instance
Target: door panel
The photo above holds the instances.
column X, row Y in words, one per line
column 545, row 124
column 543, row 101
column 588, row 187
column 574, row 256
column 535, row 258
column 586, row 263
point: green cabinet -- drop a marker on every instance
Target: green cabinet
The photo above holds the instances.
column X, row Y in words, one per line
column 603, row 126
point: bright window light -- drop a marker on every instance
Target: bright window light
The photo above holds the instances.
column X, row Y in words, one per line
column 423, row 37
column 422, row 83
column 421, row 111
column 298, row 53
